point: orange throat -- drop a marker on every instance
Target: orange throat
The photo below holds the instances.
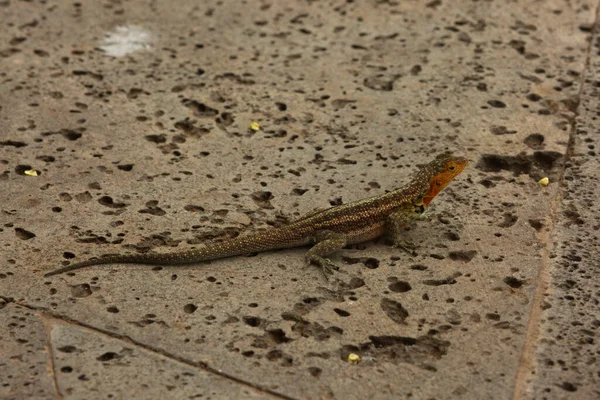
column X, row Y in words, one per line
column 436, row 185
column 431, row 193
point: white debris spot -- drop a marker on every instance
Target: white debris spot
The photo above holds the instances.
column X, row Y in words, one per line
column 125, row 40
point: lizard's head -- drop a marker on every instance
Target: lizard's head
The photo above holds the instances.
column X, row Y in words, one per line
column 440, row 172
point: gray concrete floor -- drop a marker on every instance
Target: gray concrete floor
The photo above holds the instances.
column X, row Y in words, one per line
column 136, row 117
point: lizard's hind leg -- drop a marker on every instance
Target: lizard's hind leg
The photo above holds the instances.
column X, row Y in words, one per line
column 328, row 242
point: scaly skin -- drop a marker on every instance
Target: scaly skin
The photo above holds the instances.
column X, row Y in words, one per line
column 326, row 230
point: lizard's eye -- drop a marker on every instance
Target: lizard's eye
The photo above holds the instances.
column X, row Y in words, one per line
column 452, row 168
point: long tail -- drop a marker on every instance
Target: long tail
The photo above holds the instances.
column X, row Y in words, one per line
column 252, row 243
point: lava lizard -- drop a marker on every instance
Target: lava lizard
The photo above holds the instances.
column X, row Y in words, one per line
column 327, row 230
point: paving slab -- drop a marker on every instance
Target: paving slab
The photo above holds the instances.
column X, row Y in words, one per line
column 564, row 361
column 139, row 372
column 25, row 359
column 136, row 118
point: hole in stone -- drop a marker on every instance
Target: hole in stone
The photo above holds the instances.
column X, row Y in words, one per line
column 107, row 356
column 189, row 308
column 513, row 282
column 341, row 313
column 24, row 234
column 252, row 321
column 399, row 287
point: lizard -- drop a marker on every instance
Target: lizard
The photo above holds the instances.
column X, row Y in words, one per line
column 327, row 230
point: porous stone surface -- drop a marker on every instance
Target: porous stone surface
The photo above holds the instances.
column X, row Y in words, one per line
column 567, row 353
column 135, row 117
column 24, row 355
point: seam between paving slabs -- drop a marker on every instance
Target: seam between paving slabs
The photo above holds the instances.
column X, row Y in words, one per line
column 533, row 327
column 195, row 364
column 50, row 363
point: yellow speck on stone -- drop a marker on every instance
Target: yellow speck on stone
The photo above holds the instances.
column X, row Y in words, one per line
column 544, row 181
column 255, row 126
column 30, row 172
column 353, row 358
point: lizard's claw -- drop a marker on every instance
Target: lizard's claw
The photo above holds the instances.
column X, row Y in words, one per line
column 426, row 216
column 405, row 245
column 327, row 266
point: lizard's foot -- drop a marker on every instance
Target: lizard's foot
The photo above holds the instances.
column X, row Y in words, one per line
column 426, row 215
column 405, row 245
column 327, row 266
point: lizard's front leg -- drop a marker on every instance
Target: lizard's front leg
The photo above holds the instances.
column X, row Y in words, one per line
column 327, row 242
column 398, row 220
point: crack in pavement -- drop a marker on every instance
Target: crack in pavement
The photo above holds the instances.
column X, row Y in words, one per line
column 195, row 364
column 51, row 365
